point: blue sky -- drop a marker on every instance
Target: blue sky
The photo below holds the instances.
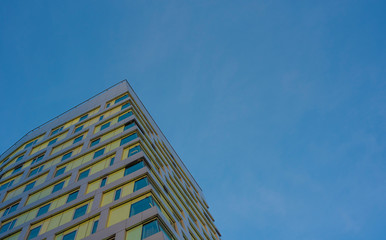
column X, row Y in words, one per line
column 276, row 107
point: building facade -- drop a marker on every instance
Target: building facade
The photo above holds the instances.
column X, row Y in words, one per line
column 101, row 170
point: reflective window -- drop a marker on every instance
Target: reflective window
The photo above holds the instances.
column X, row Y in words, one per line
column 78, row 139
column 72, row 196
column 29, row 186
column 121, row 98
column 83, row 174
column 43, row 209
column 36, row 170
column 7, row 226
column 52, row 141
column 124, row 116
column 80, row 211
column 10, row 209
column 134, row 150
column 95, row 142
column 141, row 206
column 99, row 153
column 66, row 156
column 133, row 168
column 83, row 117
column 128, row 138
column 126, row 105
column 106, row 125
column 140, row 184
column 60, row 171
column 78, row 129
column 112, row 161
column 58, row 187
column 94, row 226
column 103, row 182
column 34, row 232
column 69, row 236
column 128, row 125
column 57, row 130
column 117, row 194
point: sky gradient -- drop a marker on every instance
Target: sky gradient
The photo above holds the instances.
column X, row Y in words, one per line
column 277, row 108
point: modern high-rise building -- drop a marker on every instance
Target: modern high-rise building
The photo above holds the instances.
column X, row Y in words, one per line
column 101, row 170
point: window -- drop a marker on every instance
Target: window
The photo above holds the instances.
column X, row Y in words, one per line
column 17, row 169
column 7, row 226
column 72, row 196
column 29, row 186
column 34, row 232
column 37, row 159
column 112, row 161
column 36, row 170
column 94, row 226
column 95, row 142
column 128, row 138
column 66, row 156
column 134, row 150
column 69, row 236
column 19, row 158
column 83, row 117
column 106, row 125
column 52, row 141
column 58, row 187
column 140, row 184
column 6, row 185
column 78, row 139
column 78, row 129
column 80, row 211
column 141, row 206
column 152, row 228
column 117, row 194
column 126, row 105
column 10, row 209
column 124, row 116
column 133, row 168
column 121, row 98
column 43, row 210
column 99, row 153
column 57, row 130
column 128, row 125
column 30, row 144
column 83, row 174
column 60, row 171
column 108, row 105
column 103, row 182
column 101, row 117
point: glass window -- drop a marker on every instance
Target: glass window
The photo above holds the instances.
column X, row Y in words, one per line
column 106, row 125
column 30, row 144
column 94, row 226
column 78, row 129
column 57, row 130
column 150, row 229
column 124, row 116
column 7, row 226
column 43, row 210
column 52, row 141
column 126, row 105
column 6, row 185
column 83, row 174
column 78, row 139
column 134, row 150
column 29, row 186
column 66, row 156
column 128, row 138
column 117, row 194
column 112, row 161
column 108, row 105
column 80, row 211
column 99, row 153
column 128, row 125
column 34, row 232
column 36, row 170
column 95, row 142
column 121, row 98
column 72, row 196
column 37, row 159
column 17, row 169
column 70, row 236
column 83, row 117
column 133, row 168
column 60, row 171
column 58, row 187
column 19, row 158
column 103, row 182
column 10, row 209
column 101, row 117
column 141, row 206
column 140, row 184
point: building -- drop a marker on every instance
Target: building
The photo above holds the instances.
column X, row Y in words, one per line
column 101, row 170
